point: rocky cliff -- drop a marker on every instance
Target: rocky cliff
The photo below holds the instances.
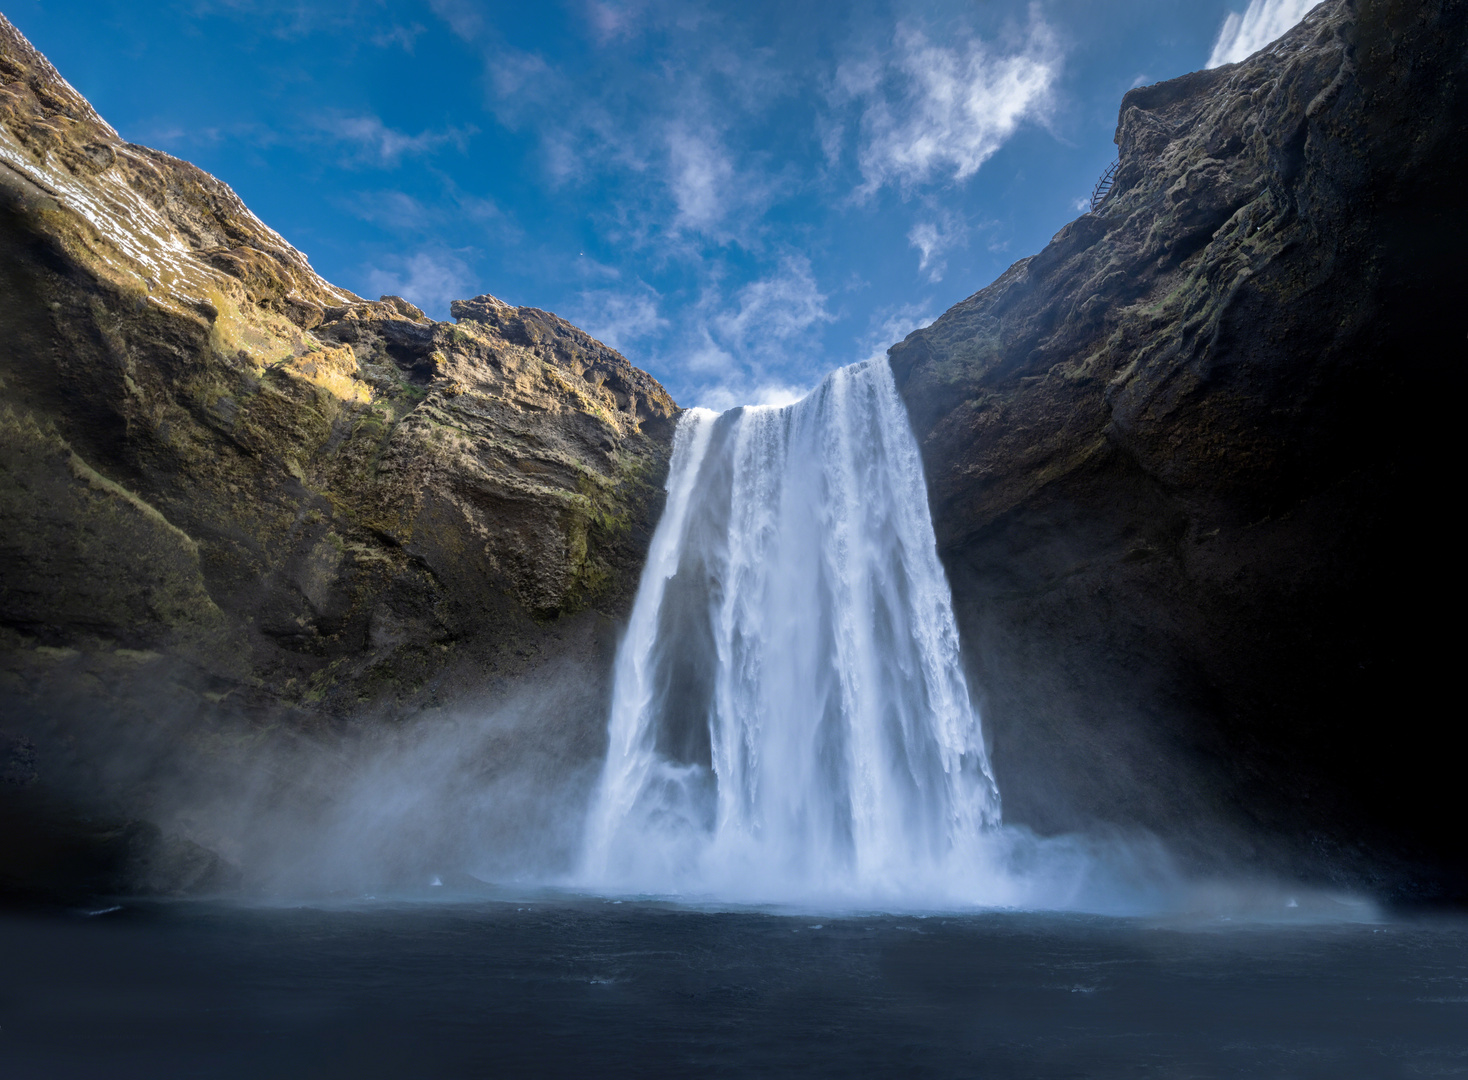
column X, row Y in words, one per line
column 1188, row 465
column 236, row 497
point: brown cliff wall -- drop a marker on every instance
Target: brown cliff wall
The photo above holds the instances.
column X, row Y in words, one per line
column 237, row 498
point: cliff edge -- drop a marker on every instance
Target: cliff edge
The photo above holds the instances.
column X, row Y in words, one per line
column 1186, row 465
column 237, row 498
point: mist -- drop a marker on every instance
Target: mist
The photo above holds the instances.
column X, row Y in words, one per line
column 788, row 725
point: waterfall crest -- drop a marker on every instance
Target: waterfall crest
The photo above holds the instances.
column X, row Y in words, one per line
column 790, row 717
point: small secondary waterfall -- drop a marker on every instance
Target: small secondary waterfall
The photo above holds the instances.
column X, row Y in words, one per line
column 790, row 719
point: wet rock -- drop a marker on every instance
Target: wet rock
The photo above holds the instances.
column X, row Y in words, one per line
column 17, row 760
column 58, row 855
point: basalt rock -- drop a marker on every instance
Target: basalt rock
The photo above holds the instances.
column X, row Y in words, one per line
column 236, row 498
column 1188, row 466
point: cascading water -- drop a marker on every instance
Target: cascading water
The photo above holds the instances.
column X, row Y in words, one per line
column 790, row 719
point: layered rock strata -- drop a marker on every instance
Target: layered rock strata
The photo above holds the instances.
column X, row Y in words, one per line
column 236, row 496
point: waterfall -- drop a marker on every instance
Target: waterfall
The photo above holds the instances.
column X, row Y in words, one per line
column 790, row 718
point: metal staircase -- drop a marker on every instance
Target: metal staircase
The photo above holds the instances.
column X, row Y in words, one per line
column 1103, row 186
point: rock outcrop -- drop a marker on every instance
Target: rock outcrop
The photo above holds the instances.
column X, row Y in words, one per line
column 234, row 494
column 1186, row 465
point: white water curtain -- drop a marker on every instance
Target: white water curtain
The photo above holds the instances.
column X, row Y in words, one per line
column 1261, row 22
column 790, row 717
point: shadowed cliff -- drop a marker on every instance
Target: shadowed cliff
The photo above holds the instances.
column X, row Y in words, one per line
column 1187, row 466
column 238, row 500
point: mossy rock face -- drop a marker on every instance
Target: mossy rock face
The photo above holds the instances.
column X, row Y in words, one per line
column 83, row 555
column 307, row 505
column 1182, row 461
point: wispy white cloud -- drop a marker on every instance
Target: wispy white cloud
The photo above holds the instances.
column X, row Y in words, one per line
column 619, row 318
column 1262, row 22
column 719, row 193
column 365, row 140
column 594, row 270
column 933, row 111
column 935, row 236
column 671, row 146
column 925, row 237
column 430, row 279
column 706, row 140
column 582, row 137
column 889, row 326
column 403, row 36
column 248, row 132
column 396, row 210
column 515, row 73
column 772, row 312
column 463, row 16
column 707, row 357
column 613, row 20
column 290, row 19
column 751, row 348
column 454, row 208
column 700, row 174
column 371, row 142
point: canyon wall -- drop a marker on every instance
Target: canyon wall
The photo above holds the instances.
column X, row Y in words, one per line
column 1187, row 466
column 237, row 499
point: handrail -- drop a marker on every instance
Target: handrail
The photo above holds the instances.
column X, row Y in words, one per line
column 1103, row 186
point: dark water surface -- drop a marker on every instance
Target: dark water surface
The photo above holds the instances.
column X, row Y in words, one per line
column 588, row 988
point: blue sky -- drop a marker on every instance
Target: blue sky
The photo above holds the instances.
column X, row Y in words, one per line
column 739, row 196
